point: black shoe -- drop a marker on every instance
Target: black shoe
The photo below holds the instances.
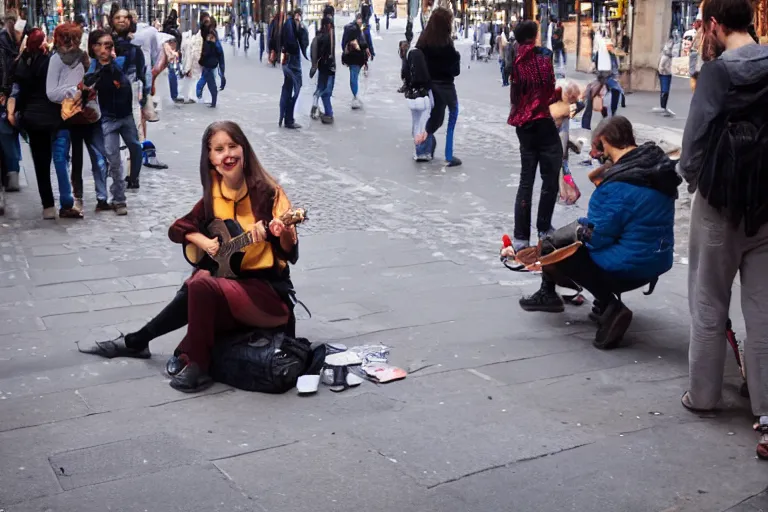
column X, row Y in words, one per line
column 116, row 348
column 294, row 126
column 546, row 300
column 133, row 184
column 191, row 379
column 174, row 365
column 455, row 162
column 326, row 119
column 613, row 324
column 103, row 206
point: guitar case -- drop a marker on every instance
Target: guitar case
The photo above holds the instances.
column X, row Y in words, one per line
column 261, row 360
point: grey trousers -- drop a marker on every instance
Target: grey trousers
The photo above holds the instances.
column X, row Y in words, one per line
column 717, row 252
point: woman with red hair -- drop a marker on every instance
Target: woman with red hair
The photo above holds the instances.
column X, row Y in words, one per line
column 29, row 109
column 64, row 85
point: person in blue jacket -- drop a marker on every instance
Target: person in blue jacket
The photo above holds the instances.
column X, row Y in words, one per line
column 629, row 233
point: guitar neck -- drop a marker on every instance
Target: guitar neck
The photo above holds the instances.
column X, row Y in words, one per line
column 241, row 241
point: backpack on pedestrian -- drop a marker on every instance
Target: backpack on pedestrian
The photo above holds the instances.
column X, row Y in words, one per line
column 418, row 78
column 734, row 176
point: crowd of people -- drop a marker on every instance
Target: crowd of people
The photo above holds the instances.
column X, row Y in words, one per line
column 61, row 97
column 79, row 90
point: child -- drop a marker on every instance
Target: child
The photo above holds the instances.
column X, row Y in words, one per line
column 562, row 112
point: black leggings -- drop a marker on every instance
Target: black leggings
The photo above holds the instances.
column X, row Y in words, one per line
column 40, row 145
column 582, row 269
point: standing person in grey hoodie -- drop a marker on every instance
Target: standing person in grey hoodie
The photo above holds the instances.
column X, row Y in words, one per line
column 64, row 82
column 724, row 159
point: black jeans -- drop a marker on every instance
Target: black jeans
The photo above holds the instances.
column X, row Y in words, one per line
column 41, row 147
column 444, row 95
column 539, row 147
column 581, row 269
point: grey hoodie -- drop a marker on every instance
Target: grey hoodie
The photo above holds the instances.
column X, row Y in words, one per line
column 730, row 82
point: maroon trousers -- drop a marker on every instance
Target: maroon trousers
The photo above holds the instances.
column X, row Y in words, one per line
column 218, row 306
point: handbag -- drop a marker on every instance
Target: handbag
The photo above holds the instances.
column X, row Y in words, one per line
column 73, row 111
column 569, row 191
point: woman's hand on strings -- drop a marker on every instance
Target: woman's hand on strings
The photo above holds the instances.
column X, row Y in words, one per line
column 258, row 232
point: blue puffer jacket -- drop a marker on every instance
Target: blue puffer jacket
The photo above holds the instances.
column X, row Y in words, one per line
column 633, row 211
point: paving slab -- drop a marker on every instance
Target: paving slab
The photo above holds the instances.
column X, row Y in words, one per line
column 173, row 490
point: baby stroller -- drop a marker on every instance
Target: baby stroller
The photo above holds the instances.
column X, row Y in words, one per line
column 481, row 50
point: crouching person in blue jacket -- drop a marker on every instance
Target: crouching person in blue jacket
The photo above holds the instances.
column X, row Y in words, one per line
column 628, row 235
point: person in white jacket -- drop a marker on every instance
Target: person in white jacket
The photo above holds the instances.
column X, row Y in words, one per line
column 191, row 50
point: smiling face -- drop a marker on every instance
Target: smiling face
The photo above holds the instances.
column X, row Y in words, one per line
column 225, row 155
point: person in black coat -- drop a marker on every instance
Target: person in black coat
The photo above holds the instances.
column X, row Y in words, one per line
column 444, row 64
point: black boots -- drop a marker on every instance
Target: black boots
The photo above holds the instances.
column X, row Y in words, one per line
column 612, row 324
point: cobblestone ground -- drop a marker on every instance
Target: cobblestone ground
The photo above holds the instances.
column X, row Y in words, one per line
column 501, row 407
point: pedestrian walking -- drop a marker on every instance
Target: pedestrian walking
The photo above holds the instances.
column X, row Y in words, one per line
column 665, row 74
column 723, row 160
column 209, row 60
column 323, row 62
column 531, row 92
column 293, row 44
column 355, row 55
column 444, row 65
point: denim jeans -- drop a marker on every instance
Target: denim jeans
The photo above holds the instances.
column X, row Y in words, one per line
column 173, row 81
column 504, row 76
column 444, row 95
column 92, row 136
column 354, row 78
column 540, row 147
column 113, row 129
column 325, row 84
column 560, row 54
column 208, row 78
column 291, row 89
column 60, row 153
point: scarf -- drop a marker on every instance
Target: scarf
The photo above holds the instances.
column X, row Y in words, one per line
column 72, row 56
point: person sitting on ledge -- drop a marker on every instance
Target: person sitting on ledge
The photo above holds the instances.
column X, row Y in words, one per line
column 628, row 235
column 235, row 187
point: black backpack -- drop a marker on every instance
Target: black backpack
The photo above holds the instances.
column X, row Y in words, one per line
column 734, row 176
column 264, row 361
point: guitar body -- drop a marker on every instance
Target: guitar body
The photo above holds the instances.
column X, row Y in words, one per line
column 233, row 241
column 220, row 265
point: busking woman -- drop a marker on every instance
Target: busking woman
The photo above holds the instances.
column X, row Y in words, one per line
column 235, row 187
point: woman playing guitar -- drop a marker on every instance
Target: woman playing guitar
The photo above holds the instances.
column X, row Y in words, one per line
column 235, row 188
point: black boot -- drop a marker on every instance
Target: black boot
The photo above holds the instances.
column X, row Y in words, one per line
column 545, row 300
column 613, row 323
column 191, row 379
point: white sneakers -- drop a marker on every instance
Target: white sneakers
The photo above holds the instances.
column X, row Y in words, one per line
column 356, row 103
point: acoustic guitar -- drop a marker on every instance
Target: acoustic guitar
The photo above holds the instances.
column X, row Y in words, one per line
column 232, row 240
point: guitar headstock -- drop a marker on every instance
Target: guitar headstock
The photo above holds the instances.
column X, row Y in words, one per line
column 294, row 216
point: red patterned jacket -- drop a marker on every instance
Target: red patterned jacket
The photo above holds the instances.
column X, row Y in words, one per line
column 532, row 87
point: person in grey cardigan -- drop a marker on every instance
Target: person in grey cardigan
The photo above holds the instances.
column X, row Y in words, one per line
column 64, row 81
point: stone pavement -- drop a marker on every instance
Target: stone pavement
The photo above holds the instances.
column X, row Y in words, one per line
column 506, row 411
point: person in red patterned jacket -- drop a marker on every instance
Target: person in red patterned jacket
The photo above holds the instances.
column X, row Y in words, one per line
column 532, row 91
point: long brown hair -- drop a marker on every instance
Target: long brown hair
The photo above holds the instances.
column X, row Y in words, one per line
column 262, row 187
column 438, row 29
